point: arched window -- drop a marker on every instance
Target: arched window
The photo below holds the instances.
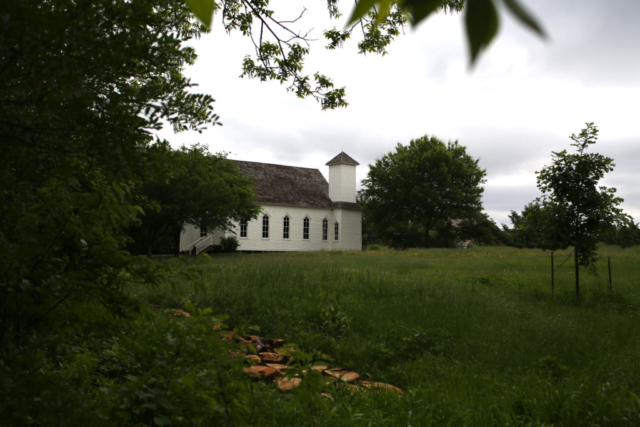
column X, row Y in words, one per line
column 243, row 228
column 337, row 230
column 305, row 228
column 285, row 227
column 265, row 227
column 325, row 229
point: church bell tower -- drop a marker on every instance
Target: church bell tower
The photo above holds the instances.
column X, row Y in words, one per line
column 342, row 178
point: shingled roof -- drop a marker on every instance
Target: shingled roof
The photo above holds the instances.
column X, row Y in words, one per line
column 289, row 185
column 342, row 159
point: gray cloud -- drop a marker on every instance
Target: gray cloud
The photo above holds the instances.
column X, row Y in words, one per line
column 499, row 200
column 509, row 151
column 592, row 41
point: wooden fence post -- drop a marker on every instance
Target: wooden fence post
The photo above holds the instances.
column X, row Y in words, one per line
column 552, row 281
column 610, row 285
column 577, row 267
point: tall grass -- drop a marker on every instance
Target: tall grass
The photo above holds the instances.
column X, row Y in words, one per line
column 474, row 336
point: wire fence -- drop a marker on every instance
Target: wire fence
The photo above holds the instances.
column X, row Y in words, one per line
column 554, row 269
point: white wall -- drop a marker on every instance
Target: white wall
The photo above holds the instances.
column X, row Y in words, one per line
column 190, row 234
column 350, row 229
column 350, row 237
column 342, row 183
column 350, row 232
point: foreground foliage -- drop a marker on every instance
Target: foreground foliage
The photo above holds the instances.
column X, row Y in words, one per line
column 280, row 47
column 82, row 84
column 473, row 337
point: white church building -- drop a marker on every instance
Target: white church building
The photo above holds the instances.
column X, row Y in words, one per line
column 301, row 211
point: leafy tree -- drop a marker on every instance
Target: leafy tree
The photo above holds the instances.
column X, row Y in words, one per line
column 482, row 230
column 521, row 235
column 82, row 85
column 197, row 188
column 420, row 187
column 625, row 235
column 574, row 210
column 628, row 235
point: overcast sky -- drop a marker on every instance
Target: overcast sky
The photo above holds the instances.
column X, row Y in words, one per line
column 523, row 100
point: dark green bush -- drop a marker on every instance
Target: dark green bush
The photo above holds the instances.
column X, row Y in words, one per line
column 153, row 369
column 229, row 244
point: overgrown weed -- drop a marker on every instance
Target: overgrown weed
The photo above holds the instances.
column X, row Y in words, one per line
column 474, row 337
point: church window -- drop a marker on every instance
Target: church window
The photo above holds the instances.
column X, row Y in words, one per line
column 337, row 231
column 325, row 229
column 305, row 228
column 285, row 227
column 243, row 228
column 203, row 231
column 265, row 227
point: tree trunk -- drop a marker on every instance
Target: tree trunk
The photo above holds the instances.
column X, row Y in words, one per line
column 149, row 251
column 426, row 237
column 177, row 253
column 577, row 273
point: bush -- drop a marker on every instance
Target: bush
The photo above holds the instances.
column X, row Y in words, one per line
column 164, row 370
column 373, row 248
column 229, row 244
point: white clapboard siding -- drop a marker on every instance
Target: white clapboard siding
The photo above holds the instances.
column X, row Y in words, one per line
column 350, row 236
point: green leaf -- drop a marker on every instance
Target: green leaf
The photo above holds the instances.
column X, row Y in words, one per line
column 203, row 9
column 525, row 17
column 252, row 349
column 481, row 20
column 383, row 12
column 421, row 9
column 361, row 9
column 189, row 306
column 161, row 420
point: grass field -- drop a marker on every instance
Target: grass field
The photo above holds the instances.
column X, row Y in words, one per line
column 474, row 337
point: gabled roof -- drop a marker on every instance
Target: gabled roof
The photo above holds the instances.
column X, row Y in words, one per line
column 342, row 159
column 287, row 185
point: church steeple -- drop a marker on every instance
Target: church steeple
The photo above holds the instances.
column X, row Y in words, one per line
column 342, row 178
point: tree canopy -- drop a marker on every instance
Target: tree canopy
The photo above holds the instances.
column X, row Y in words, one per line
column 82, row 86
column 420, row 187
column 195, row 188
column 525, row 229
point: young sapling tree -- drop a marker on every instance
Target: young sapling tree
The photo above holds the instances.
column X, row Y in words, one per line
column 574, row 209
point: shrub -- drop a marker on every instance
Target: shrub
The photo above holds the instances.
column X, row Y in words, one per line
column 229, row 244
column 373, row 247
column 334, row 322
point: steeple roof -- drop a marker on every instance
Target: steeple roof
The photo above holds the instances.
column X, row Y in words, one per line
column 342, row 159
